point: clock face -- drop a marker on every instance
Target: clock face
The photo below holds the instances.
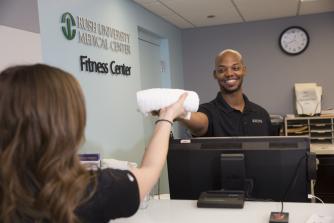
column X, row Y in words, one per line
column 294, row 40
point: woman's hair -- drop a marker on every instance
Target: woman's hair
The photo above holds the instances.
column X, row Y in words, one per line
column 42, row 121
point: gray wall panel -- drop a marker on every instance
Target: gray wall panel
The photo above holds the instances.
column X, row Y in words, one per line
column 20, row 14
column 271, row 73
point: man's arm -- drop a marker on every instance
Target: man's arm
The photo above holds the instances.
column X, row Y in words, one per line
column 197, row 124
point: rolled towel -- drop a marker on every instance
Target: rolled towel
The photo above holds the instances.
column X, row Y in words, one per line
column 156, row 98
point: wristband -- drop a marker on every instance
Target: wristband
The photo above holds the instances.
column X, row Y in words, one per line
column 164, row 120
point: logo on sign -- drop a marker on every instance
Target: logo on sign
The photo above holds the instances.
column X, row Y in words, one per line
column 68, row 26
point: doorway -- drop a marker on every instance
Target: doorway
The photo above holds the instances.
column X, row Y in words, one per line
column 154, row 73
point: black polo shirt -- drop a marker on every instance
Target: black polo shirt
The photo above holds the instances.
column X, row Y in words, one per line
column 227, row 121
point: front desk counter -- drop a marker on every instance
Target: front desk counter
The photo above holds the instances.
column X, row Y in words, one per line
column 186, row 211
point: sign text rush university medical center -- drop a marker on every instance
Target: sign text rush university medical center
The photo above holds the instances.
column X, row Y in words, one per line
column 93, row 34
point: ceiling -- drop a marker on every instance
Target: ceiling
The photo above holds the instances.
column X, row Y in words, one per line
column 194, row 13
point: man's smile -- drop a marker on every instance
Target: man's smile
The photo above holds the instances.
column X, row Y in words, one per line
column 231, row 80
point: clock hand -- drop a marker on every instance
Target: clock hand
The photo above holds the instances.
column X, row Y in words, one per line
column 291, row 41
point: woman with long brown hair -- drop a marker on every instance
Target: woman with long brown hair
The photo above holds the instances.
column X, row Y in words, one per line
column 42, row 121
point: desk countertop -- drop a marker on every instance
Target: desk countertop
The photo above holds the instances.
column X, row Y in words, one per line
column 186, row 211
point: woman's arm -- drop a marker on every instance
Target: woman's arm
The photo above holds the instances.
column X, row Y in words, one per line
column 156, row 152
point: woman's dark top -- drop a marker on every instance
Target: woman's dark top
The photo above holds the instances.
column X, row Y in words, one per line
column 116, row 195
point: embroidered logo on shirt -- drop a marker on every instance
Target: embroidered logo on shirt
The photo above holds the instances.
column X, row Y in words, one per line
column 130, row 177
column 257, row 121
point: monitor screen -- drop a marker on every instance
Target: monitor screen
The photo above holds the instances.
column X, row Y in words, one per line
column 275, row 167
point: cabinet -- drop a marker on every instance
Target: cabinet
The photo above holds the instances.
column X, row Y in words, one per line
column 321, row 133
column 324, row 187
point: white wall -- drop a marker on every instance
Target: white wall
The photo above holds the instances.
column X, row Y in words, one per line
column 114, row 126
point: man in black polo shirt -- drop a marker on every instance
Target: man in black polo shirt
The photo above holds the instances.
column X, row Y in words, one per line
column 230, row 113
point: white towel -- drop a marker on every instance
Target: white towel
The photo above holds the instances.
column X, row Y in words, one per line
column 156, row 98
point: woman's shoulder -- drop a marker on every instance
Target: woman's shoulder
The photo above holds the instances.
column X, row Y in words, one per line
column 109, row 175
column 115, row 194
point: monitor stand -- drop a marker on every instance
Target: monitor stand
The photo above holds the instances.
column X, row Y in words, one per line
column 232, row 171
column 233, row 184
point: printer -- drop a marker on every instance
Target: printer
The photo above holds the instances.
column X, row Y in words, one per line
column 308, row 98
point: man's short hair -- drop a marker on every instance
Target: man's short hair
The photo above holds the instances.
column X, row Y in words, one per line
column 219, row 55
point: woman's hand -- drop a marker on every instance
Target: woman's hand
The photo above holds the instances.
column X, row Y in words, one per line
column 175, row 110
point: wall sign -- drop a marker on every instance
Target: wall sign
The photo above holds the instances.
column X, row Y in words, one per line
column 101, row 36
column 94, row 34
column 89, row 65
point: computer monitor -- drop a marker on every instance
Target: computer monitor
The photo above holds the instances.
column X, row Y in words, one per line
column 276, row 167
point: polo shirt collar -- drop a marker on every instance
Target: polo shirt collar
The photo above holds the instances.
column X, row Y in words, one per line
column 248, row 105
column 227, row 108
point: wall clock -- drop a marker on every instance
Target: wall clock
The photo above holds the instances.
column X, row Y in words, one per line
column 294, row 40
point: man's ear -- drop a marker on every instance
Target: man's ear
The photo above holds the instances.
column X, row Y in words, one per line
column 245, row 70
column 214, row 74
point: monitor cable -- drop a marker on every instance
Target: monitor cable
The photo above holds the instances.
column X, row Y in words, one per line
column 248, row 187
column 292, row 181
column 310, row 196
